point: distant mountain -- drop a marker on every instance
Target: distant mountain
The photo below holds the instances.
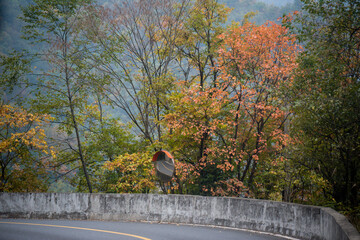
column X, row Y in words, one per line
column 266, row 10
column 278, row 3
column 10, row 25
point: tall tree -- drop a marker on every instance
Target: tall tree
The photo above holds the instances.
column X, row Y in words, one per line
column 257, row 61
column 135, row 41
column 197, row 47
column 242, row 116
column 327, row 94
column 60, row 89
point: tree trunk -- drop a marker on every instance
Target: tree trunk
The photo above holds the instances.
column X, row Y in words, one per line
column 72, row 112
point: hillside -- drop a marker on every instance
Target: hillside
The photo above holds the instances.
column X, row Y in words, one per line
column 10, row 25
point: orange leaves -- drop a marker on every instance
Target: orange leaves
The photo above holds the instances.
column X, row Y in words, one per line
column 236, row 125
column 226, row 166
column 194, row 108
column 184, row 171
column 230, row 187
column 256, row 62
column 266, row 52
column 288, row 18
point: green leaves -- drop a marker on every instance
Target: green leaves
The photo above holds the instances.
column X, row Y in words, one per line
column 14, row 68
column 44, row 18
column 326, row 93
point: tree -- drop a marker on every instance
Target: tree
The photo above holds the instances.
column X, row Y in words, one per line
column 196, row 46
column 243, row 115
column 105, row 139
column 61, row 91
column 327, row 97
column 25, row 156
column 133, row 173
column 198, row 41
column 135, row 42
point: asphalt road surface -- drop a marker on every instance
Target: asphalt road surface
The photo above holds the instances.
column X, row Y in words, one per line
column 24, row 229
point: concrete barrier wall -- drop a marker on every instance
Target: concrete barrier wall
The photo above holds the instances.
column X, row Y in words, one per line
column 299, row 221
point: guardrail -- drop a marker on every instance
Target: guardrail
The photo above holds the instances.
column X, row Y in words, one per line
column 295, row 220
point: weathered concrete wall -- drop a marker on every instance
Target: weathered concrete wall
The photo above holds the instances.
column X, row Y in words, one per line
column 300, row 221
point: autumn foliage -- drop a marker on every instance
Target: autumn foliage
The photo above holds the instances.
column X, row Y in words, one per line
column 235, row 125
column 133, row 172
column 25, row 155
column 244, row 110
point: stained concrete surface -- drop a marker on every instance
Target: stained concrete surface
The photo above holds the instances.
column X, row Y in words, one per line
column 299, row 221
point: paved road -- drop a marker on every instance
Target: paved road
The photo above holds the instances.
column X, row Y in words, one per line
column 24, row 229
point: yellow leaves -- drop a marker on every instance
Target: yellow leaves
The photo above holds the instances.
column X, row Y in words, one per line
column 21, row 128
column 17, row 117
column 136, row 172
column 248, row 16
column 52, row 152
column 22, row 139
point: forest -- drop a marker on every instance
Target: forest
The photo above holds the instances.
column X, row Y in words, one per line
column 253, row 100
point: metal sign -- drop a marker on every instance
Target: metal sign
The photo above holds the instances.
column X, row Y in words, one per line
column 164, row 165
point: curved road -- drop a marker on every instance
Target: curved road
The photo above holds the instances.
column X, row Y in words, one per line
column 24, row 229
